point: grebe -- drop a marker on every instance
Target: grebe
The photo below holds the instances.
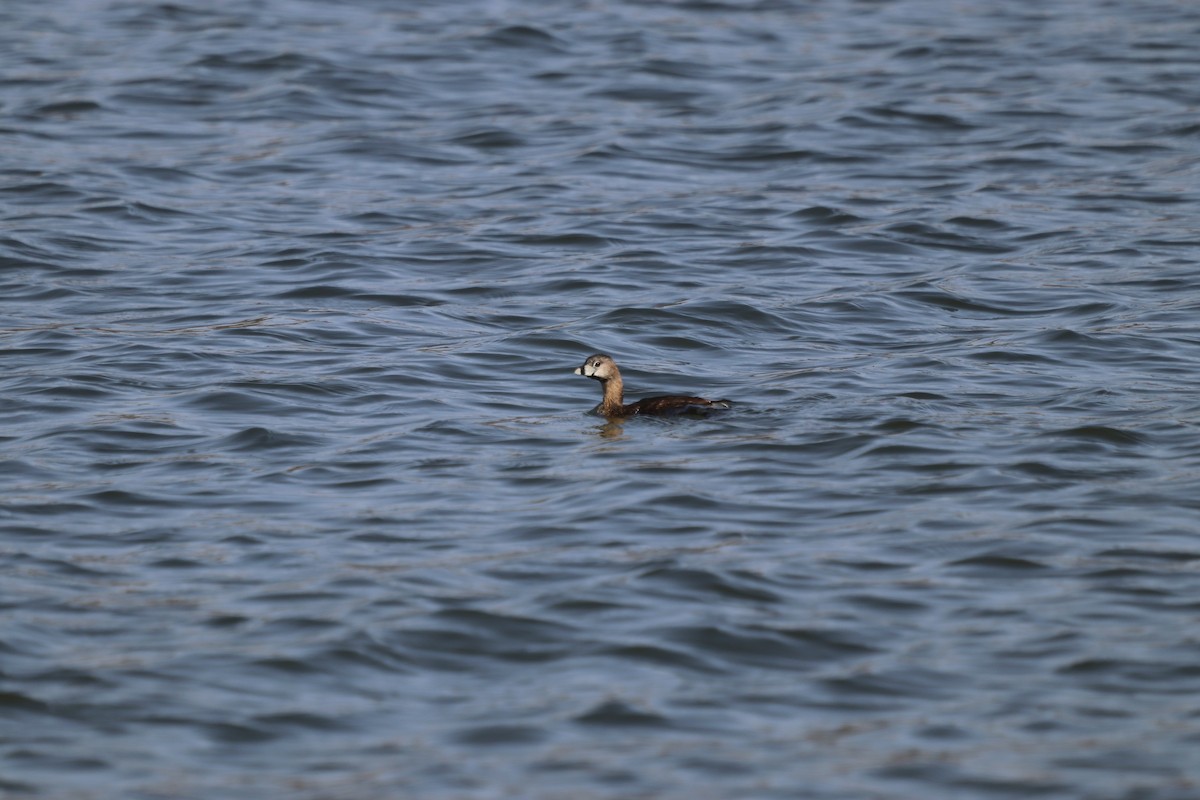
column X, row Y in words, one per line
column 600, row 367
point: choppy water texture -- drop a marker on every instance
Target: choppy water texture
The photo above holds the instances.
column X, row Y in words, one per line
column 301, row 498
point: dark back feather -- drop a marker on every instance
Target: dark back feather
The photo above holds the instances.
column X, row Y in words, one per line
column 672, row 405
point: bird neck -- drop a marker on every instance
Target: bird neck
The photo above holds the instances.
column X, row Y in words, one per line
column 614, row 395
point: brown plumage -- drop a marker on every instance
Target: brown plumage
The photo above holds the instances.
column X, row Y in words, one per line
column 602, row 368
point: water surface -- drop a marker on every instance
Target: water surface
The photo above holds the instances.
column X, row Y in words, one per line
column 301, row 498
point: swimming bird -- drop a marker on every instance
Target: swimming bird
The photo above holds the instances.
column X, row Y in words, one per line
column 602, row 368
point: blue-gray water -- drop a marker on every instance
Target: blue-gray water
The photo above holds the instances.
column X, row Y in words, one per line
column 301, row 498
